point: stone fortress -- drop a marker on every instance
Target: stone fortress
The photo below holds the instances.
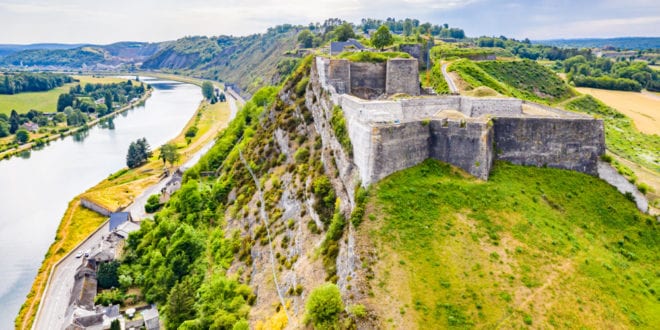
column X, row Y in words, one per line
column 393, row 134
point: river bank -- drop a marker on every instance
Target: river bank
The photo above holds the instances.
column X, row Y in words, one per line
column 47, row 139
column 122, row 187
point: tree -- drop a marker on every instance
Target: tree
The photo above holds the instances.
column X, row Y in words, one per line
column 180, row 304
column 14, row 122
column 306, row 38
column 4, row 129
column 169, row 153
column 108, row 100
column 114, row 325
column 344, row 32
column 323, row 306
column 207, row 90
column 138, row 153
column 22, row 136
column 107, row 275
column 407, row 27
column 382, row 38
column 63, row 101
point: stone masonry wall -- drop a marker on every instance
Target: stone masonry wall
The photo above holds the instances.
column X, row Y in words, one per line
column 396, row 147
column 402, row 76
column 573, row 144
column 367, row 79
column 475, row 107
column 468, row 145
column 339, row 74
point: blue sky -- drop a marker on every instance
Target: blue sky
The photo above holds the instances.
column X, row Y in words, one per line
column 86, row 21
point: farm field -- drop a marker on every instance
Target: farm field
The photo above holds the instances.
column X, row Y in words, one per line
column 644, row 109
column 46, row 101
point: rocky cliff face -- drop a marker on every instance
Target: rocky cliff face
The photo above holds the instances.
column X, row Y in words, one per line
column 289, row 178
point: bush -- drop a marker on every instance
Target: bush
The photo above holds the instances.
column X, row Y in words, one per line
column 191, row 132
column 338, row 123
column 108, row 298
column 302, row 155
column 153, row 204
column 324, row 306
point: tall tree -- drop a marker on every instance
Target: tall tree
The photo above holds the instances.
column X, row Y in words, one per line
column 169, row 153
column 306, row 38
column 108, row 100
column 382, row 38
column 344, row 32
column 180, row 303
column 207, row 90
column 14, row 122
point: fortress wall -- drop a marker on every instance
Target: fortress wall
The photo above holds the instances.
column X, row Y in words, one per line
column 402, row 76
column 361, row 139
column 475, row 107
column 397, row 147
column 466, row 145
column 339, row 75
column 573, row 144
column 558, row 112
column 427, row 107
column 367, row 79
column 370, row 111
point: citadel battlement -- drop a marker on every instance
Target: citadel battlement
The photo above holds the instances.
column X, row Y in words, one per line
column 470, row 133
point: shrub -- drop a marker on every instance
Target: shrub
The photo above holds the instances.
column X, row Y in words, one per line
column 302, row 155
column 338, row 123
column 324, row 306
column 358, row 310
column 153, row 203
column 108, row 298
column 191, row 132
column 107, row 275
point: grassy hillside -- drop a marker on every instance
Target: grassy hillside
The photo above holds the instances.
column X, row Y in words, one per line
column 621, row 135
column 530, row 247
column 522, row 79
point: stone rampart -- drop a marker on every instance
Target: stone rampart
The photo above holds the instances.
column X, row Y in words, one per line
column 476, row 107
column 367, row 79
column 392, row 135
column 468, row 145
column 573, row 144
column 402, row 77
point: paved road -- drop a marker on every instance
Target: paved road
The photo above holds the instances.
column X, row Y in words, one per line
column 452, row 87
column 55, row 302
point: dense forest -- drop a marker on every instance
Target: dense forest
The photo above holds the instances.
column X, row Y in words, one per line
column 19, row 82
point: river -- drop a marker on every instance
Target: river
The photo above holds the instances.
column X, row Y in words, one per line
column 35, row 191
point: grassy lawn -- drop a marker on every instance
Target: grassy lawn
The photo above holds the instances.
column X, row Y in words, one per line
column 536, row 247
column 643, row 109
column 46, row 101
column 117, row 190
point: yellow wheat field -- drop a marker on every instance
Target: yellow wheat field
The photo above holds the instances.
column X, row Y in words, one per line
column 643, row 108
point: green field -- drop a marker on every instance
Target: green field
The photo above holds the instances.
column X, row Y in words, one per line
column 537, row 247
column 45, row 101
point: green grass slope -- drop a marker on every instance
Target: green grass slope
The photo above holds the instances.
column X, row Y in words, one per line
column 621, row 135
column 524, row 79
column 531, row 247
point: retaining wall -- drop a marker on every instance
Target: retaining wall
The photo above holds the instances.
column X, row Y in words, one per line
column 402, row 76
column 468, row 145
column 573, row 144
column 95, row 207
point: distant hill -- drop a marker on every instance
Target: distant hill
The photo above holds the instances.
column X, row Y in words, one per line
column 624, row 43
column 251, row 62
column 75, row 56
column 8, row 49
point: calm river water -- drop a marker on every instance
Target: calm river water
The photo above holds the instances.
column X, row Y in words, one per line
column 35, row 191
